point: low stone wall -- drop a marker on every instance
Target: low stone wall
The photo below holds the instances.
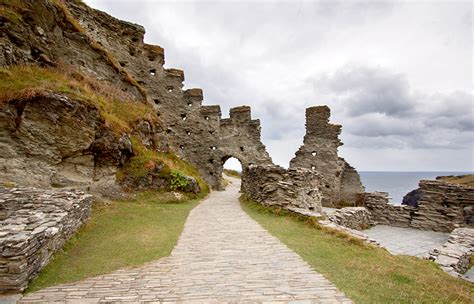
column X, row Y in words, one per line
column 358, row 218
column 453, row 256
column 442, row 207
column 276, row 186
column 34, row 223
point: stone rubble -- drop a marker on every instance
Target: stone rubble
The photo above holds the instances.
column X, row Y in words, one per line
column 358, row 218
column 332, row 225
column 35, row 223
column 454, row 255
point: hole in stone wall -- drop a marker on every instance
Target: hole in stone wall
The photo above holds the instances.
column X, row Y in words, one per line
column 170, row 89
column 311, row 208
column 169, row 130
column 206, row 117
column 141, row 82
column 153, row 72
column 250, row 164
column 211, row 161
column 213, row 147
column 181, row 147
column 123, row 63
column 327, row 186
column 188, row 132
column 183, row 116
column 211, row 132
column 313, row 153
column 242, row 149
column 135, row 39
column 158, row 113
column 156, row 100
column 232, row 163
column 313, row 167
column 190, row 104
column 211, row 173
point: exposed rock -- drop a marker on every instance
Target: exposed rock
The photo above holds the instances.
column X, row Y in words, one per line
column 358, row 218
column 442, row 207
column 412, row 198
column 454, row 255
column 35, row 224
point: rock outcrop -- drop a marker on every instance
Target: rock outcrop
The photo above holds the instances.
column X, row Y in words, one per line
column 35, row 223
column 454, row 256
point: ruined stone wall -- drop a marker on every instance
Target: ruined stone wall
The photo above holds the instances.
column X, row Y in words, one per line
column 193, row 131
column 442, row 207
column 275, row 186
column 35, row 223
column 113, row 50
column 319, row 153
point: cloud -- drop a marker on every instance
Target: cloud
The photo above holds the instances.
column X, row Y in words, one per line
column 396, row 74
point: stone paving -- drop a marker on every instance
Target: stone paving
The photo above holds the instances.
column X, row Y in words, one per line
column 406, row 241
column 222, row 256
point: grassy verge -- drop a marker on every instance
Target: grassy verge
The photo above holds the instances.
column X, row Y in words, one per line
column 118, row 235
column 232, row 173
column 364, row 273
column 117, row 108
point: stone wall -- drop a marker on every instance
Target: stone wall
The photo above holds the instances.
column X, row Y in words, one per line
column 442, row 207
column 358, row 218
column 195, row 132
column 276, row 186
column 319, row 153
column 454, row 255
column 34, row 224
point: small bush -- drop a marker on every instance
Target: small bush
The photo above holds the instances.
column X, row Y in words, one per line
column 178, row 180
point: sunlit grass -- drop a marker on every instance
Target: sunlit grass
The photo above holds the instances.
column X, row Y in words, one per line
column 120, row 234
column 366, row 274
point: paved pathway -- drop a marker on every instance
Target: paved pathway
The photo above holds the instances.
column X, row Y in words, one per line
column 222, row 256
column 406, row 241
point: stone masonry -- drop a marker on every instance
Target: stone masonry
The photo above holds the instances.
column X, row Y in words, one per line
column 34, row 224
column 276, row 186
column 442, row 207
column 340, row 181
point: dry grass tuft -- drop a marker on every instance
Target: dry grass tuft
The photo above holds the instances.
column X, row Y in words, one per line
column 120, row 112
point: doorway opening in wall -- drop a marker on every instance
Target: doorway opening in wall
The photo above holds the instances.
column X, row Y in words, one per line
column 232, row 170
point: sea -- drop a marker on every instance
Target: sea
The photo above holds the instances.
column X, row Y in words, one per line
column 398, row 183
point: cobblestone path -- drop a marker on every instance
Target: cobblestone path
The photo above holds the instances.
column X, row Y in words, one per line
column 222, row 256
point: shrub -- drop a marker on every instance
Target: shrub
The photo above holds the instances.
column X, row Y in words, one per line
column 178, row 180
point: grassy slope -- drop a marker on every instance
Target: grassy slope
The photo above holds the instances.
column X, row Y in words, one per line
column 117, row 108
column 465, row 180
column 232, row 173
column 365, row 273
column 122, row 234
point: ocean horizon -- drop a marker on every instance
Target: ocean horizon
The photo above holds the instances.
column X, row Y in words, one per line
column 399, row 183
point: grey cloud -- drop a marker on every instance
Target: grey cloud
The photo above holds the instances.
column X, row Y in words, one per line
column 263, row 54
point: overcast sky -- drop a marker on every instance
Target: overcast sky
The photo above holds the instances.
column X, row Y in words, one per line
column 397, row 75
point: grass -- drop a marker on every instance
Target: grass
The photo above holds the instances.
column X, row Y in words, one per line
column 145, row 160
column 366, row 274
column 233, row 173
column 119, row 111
column 465, row 180
column 120, row 234
column 12, row 9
